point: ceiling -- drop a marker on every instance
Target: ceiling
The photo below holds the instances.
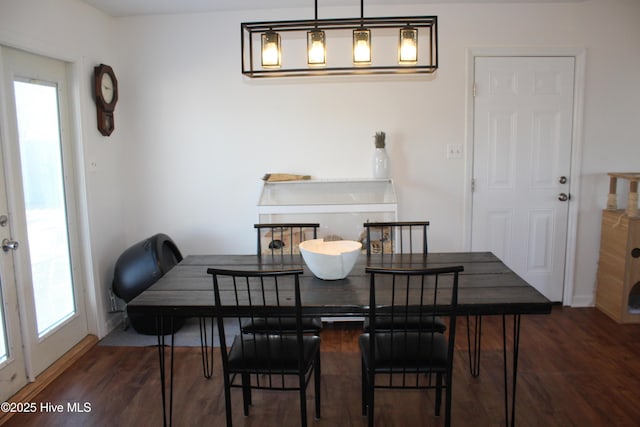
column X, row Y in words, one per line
column 155, row 7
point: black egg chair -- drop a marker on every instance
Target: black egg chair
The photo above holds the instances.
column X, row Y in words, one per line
column 139, row 267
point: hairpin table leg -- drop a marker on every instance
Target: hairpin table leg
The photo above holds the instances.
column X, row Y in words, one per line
column 160, row 320
column 474, row 347
column 510, row 420
column 207, row 353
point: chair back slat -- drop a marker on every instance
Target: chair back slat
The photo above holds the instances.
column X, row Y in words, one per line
column 283, row 238
column 404, row 237
column 249, row 296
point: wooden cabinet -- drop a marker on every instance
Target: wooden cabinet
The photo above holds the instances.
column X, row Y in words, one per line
column 618, row 289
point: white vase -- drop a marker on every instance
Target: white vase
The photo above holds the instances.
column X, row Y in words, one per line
column 380, row 164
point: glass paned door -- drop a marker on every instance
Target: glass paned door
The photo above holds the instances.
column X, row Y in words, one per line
column 43, row 187
column 41, row 263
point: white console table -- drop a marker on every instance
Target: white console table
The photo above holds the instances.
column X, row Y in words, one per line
column 340, row 206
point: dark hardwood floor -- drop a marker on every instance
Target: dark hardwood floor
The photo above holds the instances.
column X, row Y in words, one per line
column 577, row 367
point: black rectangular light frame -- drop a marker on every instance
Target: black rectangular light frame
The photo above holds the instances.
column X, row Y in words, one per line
column 250, row 69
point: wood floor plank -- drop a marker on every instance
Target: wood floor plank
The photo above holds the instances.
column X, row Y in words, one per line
column 577, row 367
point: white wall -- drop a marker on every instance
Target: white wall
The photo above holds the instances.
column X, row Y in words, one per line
column 201, row 135
column 193, row 136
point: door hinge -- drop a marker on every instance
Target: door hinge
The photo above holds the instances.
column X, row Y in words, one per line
column 475, row 89
column 473, row 185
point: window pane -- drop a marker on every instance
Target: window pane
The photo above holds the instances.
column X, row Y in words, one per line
column 43, row 185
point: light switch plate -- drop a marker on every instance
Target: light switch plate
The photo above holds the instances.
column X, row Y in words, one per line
column 454, row 151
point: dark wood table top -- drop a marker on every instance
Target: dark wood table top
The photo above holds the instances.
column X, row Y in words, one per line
column 486, row 286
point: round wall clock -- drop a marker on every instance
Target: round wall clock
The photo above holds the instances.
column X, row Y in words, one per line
column 106, row 87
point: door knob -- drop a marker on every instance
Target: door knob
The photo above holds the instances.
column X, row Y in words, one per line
column 8, row 244
column 563, row 197
column 563, row 180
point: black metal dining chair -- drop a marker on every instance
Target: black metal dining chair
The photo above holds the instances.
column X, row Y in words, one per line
column 400, row 357
column 273, row 361
column 410, row 237
column 407, row 237
column 283, row 240
column 400, row 237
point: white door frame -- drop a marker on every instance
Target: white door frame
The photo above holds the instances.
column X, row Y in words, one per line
column 576, row 145
column 93, row 304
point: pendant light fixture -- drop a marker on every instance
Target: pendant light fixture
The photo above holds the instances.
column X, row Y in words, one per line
column 264, row 44
column 361, row 46
column 408, row 50
column 271, row 50
column 316, row 50
column 361, row 42
column 316, row 47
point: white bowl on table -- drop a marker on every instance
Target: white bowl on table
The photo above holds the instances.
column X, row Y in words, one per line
column 331, row 260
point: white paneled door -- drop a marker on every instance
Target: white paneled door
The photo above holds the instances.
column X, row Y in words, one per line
column 523, row 118
column 43, row 313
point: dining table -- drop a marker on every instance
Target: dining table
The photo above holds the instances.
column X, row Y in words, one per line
column 487, row 287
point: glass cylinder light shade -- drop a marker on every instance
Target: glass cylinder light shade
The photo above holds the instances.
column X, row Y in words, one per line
column 271, row 54
column 316, row 48
column 361, row 47
column 408, row 50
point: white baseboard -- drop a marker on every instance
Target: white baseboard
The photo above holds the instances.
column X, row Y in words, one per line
column 114, row 321
column 582, row 301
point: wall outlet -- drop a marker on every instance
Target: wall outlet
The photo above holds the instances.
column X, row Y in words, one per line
column 454, row 151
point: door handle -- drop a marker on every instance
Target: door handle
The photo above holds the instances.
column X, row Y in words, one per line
column 563, row 197
column 8, row 244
